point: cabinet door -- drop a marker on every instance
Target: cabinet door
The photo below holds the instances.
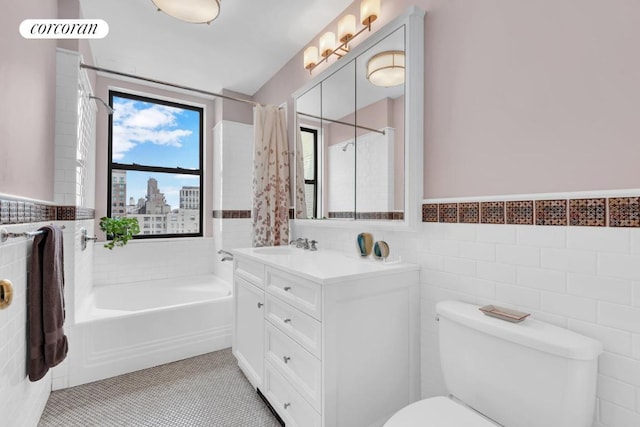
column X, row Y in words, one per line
column 248, row 333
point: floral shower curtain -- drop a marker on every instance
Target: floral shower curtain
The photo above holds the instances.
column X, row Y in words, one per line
column 271, row 187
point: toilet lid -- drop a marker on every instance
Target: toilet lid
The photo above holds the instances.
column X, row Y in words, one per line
column 437, row 412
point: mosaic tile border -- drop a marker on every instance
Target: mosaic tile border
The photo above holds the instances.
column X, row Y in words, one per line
column 391, row 216
column 232, row 214
column 14, row 211
column 582, row 212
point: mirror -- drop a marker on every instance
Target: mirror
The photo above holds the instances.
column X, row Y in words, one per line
column 353, row 142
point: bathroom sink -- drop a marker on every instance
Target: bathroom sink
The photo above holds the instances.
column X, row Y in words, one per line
column 276, row 250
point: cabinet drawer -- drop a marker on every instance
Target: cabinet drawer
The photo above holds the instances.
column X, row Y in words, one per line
column 300, row 293
column 301, row 368
column 249, row 270
column 304, row 329
column 290, row 405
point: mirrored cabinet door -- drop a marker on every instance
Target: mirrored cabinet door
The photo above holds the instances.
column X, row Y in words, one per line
column 380, row 104
column 309, row 154
column 338, row 121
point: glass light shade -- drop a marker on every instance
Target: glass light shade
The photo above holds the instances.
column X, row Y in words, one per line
column 327, row 43
column 193, row 11
column 310, row 57
column 386, row 68
column 369, row 11
column 346, row 28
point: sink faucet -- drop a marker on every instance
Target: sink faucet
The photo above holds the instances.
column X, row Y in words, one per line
column 301, row 243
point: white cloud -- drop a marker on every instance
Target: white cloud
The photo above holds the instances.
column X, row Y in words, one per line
column 155, row 124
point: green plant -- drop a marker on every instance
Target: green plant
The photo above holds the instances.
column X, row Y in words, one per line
column 119, row 230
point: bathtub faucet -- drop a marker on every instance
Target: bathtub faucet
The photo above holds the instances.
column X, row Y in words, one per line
column 227, row 256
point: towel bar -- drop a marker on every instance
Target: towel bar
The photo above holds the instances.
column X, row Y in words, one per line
column 4, row 234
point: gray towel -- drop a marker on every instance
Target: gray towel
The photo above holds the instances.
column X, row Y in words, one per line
column 47, row 344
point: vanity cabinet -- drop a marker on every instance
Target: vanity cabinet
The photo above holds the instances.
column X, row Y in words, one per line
column 336, row 343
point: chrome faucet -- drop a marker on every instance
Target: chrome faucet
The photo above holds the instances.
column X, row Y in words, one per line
column 226, row 255
column 301, row 243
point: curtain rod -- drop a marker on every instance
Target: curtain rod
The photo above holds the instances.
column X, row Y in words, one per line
column 342, row 123
column 146, row 79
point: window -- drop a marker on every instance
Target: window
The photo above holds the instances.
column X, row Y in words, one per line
column 155, row 157
column 309, row 139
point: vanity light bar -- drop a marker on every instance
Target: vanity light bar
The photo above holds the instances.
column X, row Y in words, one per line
column 369, row 12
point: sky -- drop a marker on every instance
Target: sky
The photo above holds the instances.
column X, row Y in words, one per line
column 156, row 135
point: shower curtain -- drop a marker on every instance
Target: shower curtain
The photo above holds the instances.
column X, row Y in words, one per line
column 271, row 187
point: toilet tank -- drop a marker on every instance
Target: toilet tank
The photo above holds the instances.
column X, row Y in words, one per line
column 528, row 374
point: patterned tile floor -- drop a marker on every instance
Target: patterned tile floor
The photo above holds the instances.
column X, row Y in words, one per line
column 207, row 390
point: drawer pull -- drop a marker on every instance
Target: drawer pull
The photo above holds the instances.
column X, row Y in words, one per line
column 286, row 359
column 287, row 288
column 287, row 320
column 260, row 305
column 286, row 405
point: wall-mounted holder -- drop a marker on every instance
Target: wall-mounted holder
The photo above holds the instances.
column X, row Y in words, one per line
column 84, row 238
column 6, row 293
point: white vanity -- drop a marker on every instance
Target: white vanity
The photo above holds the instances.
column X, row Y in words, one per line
column 330, row 340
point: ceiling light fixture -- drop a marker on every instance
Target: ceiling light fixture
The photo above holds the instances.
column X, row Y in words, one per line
column 193, row 11
column 386, row 69
column 369, row 12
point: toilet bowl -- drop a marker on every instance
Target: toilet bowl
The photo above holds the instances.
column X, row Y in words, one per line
column 528, row 374
column 438, row 412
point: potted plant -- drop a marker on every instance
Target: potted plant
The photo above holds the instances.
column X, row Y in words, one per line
column 119, row 230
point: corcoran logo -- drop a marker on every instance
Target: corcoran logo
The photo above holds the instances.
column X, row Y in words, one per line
column 64, row 28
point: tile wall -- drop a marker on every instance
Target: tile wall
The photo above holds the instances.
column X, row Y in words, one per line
column 21, row 401
column 582, row 277
column 233, row 148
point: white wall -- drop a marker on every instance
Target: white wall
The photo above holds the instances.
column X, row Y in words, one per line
column 586, row 279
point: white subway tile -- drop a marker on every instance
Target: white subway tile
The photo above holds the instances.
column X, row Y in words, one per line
column 619, row 316
column 578, row 261
column 444, row 247
column 622, row 266
column 459, row 266
column 636, row 294
column 622, row 368
column 616, row 416
column 478, row 287
column 603, row 239
column 437, row 293
column 494, row 233
column 635, row 241
column 431, row 261
column 613, row 390
column 519, row 255
column 505, row 273
column 518, row 295
column 460, row 232
column 439, row 278
column 612, row 290
column 537, row 278
column 554, row 319
column 533, row 235
column 570, row 306
column 478, row 251
column 636, row 346
column 613, row 340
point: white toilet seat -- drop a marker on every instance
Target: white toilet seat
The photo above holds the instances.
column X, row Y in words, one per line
column 437, row 412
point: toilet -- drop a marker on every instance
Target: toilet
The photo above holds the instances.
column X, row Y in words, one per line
column 528, row 374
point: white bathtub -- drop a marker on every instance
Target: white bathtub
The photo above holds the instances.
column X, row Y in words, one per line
column 126, row 327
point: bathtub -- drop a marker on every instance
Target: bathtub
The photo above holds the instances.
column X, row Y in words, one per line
column 126, row 327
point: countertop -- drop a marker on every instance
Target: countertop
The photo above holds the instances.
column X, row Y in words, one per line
column 323, row 266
